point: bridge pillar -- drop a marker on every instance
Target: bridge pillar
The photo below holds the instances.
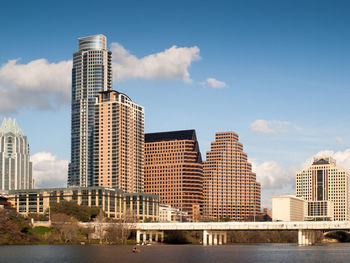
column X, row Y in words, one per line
column 220, row 238
column 215, row 238
column 205, row 237
column 138, row 236
column 306, row 237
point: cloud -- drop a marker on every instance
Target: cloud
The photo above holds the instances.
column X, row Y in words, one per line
column 277, row 180
column 37, row 84
column 48, row 171
column 43, row 85
column 172, row 63
column 270, row 127
column 273, row 176
column 214, row 83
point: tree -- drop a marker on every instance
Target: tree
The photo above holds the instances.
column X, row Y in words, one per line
column 80, row 212
column 67, row 227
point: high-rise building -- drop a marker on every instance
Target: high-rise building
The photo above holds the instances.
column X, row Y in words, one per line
column 173, row 170
column 325, row 187
column 91, row 74
column 119, row 142
column 230, row 186
column 15, row 165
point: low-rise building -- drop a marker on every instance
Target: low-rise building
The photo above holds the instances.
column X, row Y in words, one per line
column 287, row 208
column 172, row 214
column 114, row 202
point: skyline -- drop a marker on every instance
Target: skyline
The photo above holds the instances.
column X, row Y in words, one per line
column 276, row 76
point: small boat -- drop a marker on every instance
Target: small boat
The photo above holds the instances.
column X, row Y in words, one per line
column 136, row 250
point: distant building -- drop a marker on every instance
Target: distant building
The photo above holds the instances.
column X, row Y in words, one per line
column 171, row 214
column 114, row 203
column 118, row 142
column 91, row 74
column 287, row 208
column 173, row 170
column 325, row 187
column 15, row 165
column 230, row 186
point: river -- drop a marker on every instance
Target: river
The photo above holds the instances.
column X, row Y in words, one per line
column 286, row 253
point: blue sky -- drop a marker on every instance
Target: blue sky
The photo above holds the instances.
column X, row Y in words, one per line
column 283, row 68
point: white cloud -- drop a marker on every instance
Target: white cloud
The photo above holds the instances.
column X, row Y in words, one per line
column 38, row 84
column 214, row 83
column 277, row 180
column 48, row 171
column 270, row 127
column 272, row 176
column 43, row 85
column 172, row 63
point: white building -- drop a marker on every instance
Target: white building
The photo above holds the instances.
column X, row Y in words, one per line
column 326, row 189
column 287, row 208
column 171, row 214
column 15, row 165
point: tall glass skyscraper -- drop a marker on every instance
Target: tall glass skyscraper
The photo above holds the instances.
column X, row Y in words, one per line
column 91, row 74
column 15, row 167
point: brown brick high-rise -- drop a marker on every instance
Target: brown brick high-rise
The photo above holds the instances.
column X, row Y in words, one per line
column 173, row 170
column 230, row 186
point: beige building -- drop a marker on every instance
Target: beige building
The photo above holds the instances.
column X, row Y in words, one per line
column 287, row 208
column 173, row 170
column 230, row 186
column 325, row 187
column 171, row 214
column 119, row 143
column 114, row 203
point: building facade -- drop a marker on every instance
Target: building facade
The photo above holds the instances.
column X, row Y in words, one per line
column 171, row 214
column 115, row 203
column 91, row 74
column 173, row 170
column 287, row 208
column 230, row 186
column 119, row 143
column 15, row 165
column 325, row 187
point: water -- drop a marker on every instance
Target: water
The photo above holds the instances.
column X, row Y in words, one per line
column 286, row 253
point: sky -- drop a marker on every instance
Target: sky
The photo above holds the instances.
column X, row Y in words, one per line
column 275, row 72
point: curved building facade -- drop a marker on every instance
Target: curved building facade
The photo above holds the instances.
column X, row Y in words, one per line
column 91, row 74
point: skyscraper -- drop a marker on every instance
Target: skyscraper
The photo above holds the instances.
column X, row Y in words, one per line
column 325, row 187
column 230, row 186
column 91, row 74
column 173, row 170
column 15, row 165
column 119, row 142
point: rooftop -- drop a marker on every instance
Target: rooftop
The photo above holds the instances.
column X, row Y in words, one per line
column 171, row 136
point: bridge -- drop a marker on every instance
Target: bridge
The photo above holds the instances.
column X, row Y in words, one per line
column 215, row 233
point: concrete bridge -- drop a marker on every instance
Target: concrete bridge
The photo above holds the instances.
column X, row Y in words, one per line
column 215, row 233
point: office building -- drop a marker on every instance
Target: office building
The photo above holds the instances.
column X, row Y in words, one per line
column 230, row 187
column 173, row 170
column 119, row 143
column 91, row 74
column 325, row 187
column 115, row 203
column 287, row 208
column 15, row 165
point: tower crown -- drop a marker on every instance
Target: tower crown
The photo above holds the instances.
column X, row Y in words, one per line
column 10, row 125
column 92, row 42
